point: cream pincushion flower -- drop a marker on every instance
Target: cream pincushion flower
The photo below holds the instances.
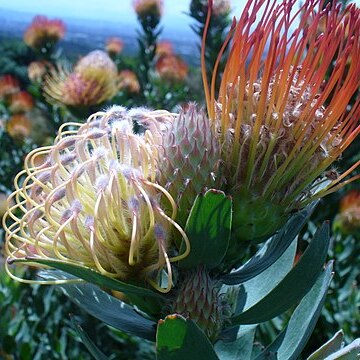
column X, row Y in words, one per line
column 95, row 202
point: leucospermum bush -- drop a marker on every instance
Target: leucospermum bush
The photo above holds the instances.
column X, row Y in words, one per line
column 160, row 215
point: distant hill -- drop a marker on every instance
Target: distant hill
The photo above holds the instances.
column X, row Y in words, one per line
column 83, row 36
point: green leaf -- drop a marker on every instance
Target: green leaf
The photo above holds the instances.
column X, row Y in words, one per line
column 329, row 347
column 208, row 228
column 293, row 287
column 257, row 288
column 178, row 338
column 93, row 277
column 272, row 250
column 241, row 348
column 105, row 307
column 289, row 344
column 92, row 348
column 350, row 352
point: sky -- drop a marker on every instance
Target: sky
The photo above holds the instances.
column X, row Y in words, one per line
column 102, row 9
column 108, row 10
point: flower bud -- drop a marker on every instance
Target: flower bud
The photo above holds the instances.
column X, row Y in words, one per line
column 198, row 299
column 189, row 158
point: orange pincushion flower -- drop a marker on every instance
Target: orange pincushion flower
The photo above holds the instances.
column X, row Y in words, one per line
column 21, row 102
column 171, row 68
column 350, row 200
column 145, row 8
column 282, row 119
column 164, row 48
column 19, row 126
column 92, row 81
column 43, row 30
column 348, row 219
column 114, row 46
column 8, row 85
column 128, row 81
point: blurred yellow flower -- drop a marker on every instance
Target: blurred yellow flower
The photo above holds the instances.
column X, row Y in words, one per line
column 92, row 81
column 18, row 126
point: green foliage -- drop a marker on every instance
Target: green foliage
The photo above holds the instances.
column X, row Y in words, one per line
column 292, row 287
column 105, row 307
column 34, row 323
column 15, row 56
column 208, row 228
column 272, row 249
column 92, row 348
column 146, row 299
column 178, row 339
column 241, row 348
column 329, row 347
column 290, row 342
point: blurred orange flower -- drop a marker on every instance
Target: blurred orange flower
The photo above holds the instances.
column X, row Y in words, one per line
column 128, row 81
column 8, row 85
column 350, row 200
column 348, row 219
column 145, row 8
column 171, row 68
column 19, row 126
column 43, row 31
column 20, row 102
column 164, row 48
column 114, row 46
